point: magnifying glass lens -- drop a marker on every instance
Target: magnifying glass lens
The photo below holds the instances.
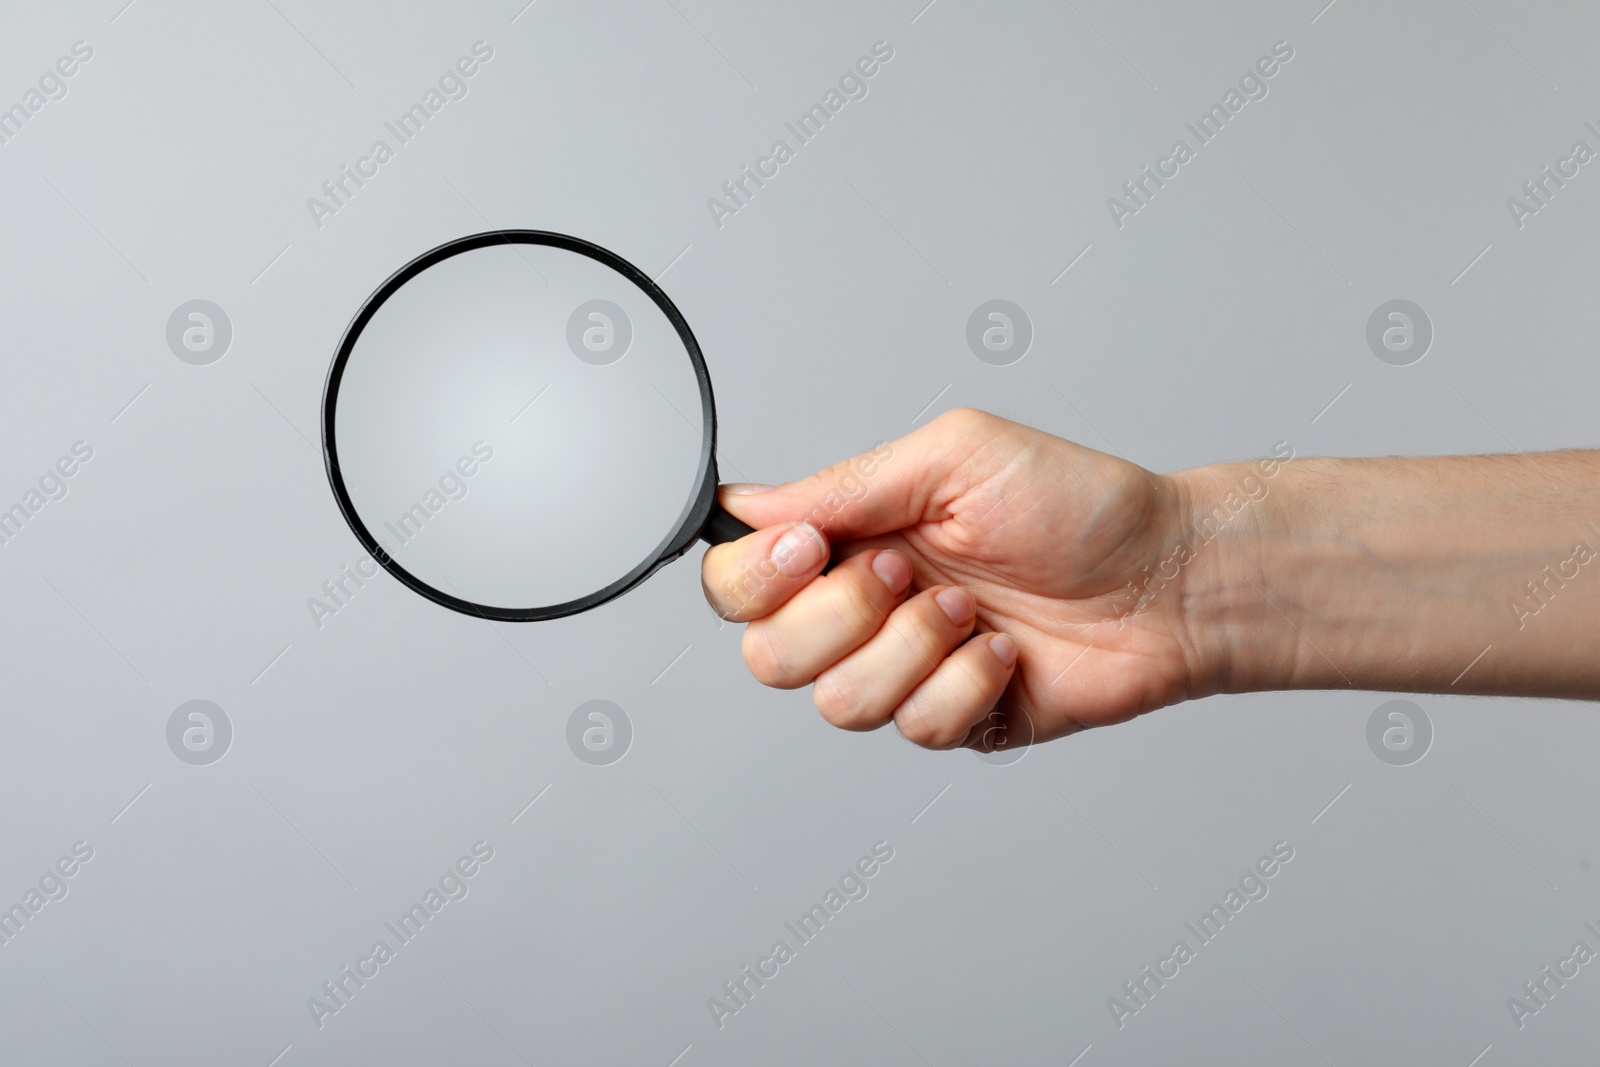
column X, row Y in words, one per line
column 518, row 425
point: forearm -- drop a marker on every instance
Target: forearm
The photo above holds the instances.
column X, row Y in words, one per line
column 1471, row 574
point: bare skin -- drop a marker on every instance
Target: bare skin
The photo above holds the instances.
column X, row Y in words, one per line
column 995, row 585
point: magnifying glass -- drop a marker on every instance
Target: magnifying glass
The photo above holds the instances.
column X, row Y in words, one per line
column 519, row 425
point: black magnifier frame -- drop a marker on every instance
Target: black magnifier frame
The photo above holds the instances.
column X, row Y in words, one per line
column 701, row 518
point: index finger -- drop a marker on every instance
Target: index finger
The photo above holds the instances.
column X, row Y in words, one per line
column 755, row 575
column 894, row 485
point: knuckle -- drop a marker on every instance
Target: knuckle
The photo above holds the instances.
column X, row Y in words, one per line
column 765, row 659
column 713, row 584
column 964, row 420
column 730, row 593
column 852, row 608
column 728, row 605
column 838, row 700
column 929, row 631
column 974, row 681
column 921, row 728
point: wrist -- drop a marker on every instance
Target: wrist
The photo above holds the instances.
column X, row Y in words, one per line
column 1234, row 520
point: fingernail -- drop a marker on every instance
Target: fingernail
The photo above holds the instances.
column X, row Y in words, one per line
column 799, row 551
column 957, row 604
column 1004, row 649
column 745, row 488
column 894, row 570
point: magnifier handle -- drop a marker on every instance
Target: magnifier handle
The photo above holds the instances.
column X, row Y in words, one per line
column 722, row 527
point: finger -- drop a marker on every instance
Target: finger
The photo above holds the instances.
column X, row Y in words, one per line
column 830, row 617
column 940, row 712
column 750, row 577
column 888, row 487
column 861, row 691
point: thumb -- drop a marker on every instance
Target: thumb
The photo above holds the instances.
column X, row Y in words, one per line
column 888, row 487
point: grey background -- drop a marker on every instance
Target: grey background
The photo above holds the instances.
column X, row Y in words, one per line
column 370, row 753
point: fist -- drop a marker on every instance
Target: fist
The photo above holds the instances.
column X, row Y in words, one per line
column 990, row 585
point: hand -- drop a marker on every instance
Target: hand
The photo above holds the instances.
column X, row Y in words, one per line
column 1048, row 550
